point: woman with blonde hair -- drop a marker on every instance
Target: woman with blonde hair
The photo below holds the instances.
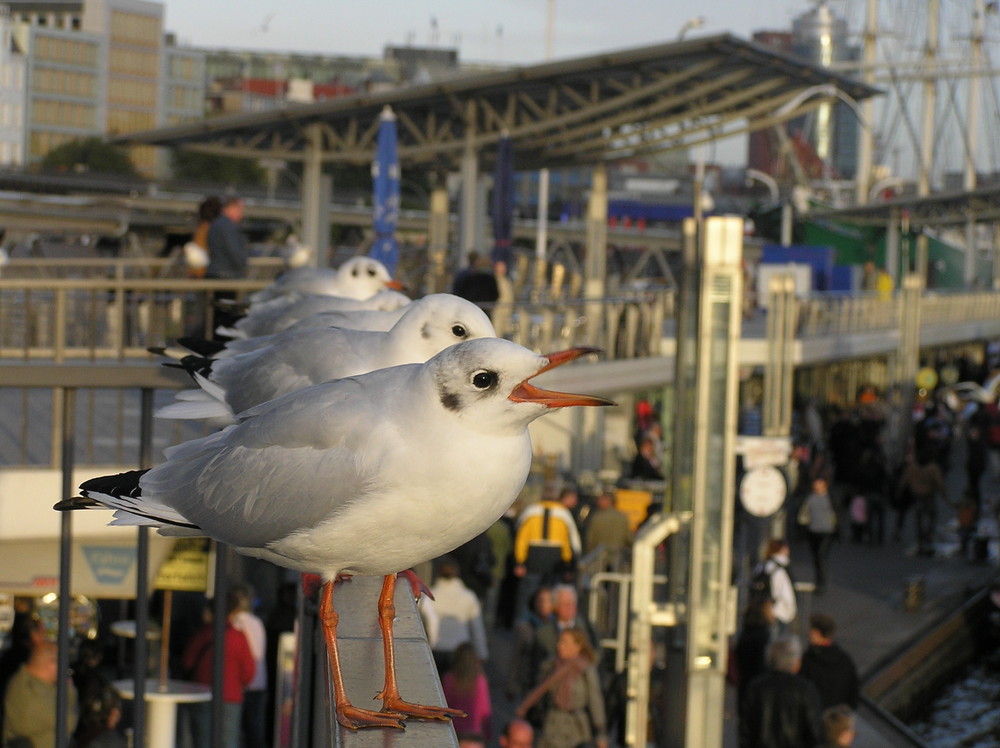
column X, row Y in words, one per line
column 575, row 713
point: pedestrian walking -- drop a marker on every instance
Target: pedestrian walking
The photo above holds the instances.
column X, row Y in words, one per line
column 819, row 519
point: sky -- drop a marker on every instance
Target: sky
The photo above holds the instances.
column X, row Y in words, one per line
column 493, row 31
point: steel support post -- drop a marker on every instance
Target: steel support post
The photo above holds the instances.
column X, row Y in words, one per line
column 437, row 241
column 645, row 613
column 312, row 167
column 908, row 357
column 595, row 262
column 67, row 433
column 700, row 572
column 892, row 244
column 711, row 606
column 468, row 218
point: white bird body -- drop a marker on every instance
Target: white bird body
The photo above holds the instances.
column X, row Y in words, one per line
column 306, row 357
column 356, row 278
column 365, row 475
column 374, row 320
column 281, row 313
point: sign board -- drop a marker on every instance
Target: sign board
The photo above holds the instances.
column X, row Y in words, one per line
column 763, row 451
column 763, row 491
column 634, row 503
column 186, row 568
column 102, row 568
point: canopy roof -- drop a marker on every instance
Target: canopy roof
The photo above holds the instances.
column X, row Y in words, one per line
column 943, row 209
column 605, row 107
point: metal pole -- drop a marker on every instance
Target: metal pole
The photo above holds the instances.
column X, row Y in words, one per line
column 711, row 602
column 972, row 129
column 68, row 427
column 311, row 193
column 437, row 241
column 930, row 98
column 468, row 221
column 595, row 268
column 866, row 138
column 219, row 639
column 142, row 577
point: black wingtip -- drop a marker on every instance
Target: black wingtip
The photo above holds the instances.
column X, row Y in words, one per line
column 77, row 502
column 122, row 484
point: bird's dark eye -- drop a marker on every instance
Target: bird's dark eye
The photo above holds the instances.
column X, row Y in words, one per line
column 371, row 272
column 354, row 272
column 459, row 331
column 483, row 380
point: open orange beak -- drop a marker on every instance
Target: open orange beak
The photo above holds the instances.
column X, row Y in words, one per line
column 528, row 393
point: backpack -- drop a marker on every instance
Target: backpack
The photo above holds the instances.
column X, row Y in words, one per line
column 760, row 583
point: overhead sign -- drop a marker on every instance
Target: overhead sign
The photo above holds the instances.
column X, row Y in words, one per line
column 100, row 568
column 186, row 568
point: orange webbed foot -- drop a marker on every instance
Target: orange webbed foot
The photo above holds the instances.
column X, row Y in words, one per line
column 419, row 711
column 354, row 718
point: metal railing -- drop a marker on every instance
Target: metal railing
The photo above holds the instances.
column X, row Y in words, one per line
column 60, row 319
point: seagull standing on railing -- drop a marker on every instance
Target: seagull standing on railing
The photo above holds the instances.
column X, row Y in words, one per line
column 280, row 313
column 367, row 475
column 228, row 386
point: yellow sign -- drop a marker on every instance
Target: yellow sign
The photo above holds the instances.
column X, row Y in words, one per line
column 186, row 568
column 634, row 503
column 927, row 378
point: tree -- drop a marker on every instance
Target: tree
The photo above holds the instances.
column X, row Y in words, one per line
column 89, row 155
column 207, row 167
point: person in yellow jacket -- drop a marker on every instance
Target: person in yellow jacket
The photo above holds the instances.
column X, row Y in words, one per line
column 546, row 543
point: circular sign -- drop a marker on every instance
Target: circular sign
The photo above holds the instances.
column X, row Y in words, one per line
column 763, row 490
column 927, row 378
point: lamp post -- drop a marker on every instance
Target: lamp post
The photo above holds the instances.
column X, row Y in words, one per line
column 692, row 23
column 786, row 205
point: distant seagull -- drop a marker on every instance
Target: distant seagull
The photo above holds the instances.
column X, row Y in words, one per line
column 374, row 320
column 281, row 313
column 357, row 278
column 229, row 386
column 367, row 475
column 266, row 23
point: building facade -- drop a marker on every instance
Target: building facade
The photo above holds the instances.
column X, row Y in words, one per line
column 92, row 68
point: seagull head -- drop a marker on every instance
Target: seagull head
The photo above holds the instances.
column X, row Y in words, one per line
column 486, row 382
column 363, row 277
column 436, row 321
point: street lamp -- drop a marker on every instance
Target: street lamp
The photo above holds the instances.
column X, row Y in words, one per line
column 692, row 23
column 786, row 205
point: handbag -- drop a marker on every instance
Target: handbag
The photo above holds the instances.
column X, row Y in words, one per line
column 803, row 517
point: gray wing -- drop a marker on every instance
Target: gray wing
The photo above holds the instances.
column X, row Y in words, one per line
column 289, row 464
column 295, row 361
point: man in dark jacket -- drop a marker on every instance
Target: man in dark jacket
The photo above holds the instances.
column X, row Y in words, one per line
column 828, row 666
column 781, row 709
column 227, row 249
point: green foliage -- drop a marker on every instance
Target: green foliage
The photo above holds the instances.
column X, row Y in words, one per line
column 208, row 167
column 89, row 155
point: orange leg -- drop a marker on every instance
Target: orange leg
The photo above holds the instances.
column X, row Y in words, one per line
column 348, row 715
column 391, row 700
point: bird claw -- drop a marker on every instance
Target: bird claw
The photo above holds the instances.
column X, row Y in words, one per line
column 419, row 711
column 417, row 586
column 354, row 718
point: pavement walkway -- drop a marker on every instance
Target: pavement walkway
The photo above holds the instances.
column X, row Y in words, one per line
column 866, row 594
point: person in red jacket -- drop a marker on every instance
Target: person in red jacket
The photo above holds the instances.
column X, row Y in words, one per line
column 237, row 672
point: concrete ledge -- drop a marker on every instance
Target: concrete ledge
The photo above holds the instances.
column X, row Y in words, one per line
column 363, row 668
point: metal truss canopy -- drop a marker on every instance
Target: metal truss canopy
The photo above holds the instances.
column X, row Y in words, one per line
column 947, row 209
column 605, row 107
